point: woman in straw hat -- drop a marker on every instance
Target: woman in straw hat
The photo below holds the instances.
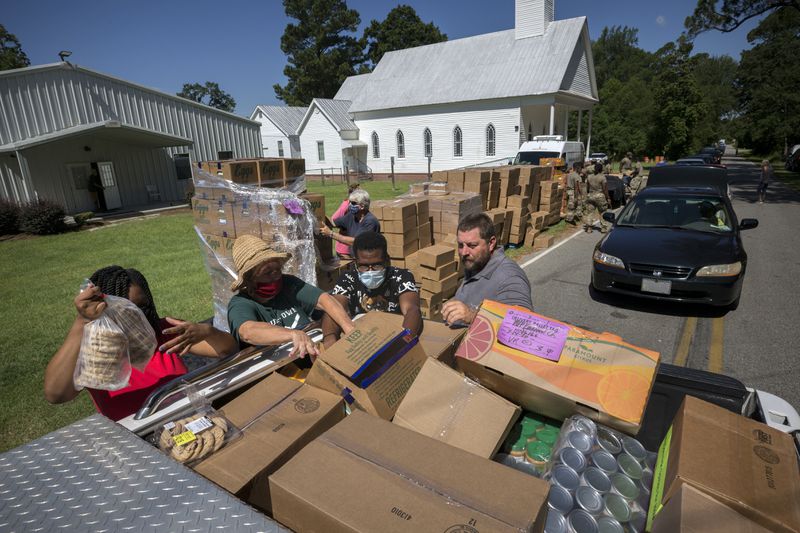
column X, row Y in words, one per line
column 272, row 307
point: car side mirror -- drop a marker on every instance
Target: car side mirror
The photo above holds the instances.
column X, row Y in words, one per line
column 748, row 223
column 611, row 217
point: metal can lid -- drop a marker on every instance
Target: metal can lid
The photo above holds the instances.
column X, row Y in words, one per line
column 584, row 424
column 606, row 524
column 608, row 441
column 634, row 448
column 624, row 486
column 597, row 479
column 556, row 522
column 616, row 506
column 560, row 499
column 629, row 466
column 580, row 441
column 575, row 459
column 565, row 476
column 604, row 461
column 589, row 499
column 582, row 522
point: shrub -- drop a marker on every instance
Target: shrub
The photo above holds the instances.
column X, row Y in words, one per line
column 42, row 217
column 9, row 217
column 81, row 218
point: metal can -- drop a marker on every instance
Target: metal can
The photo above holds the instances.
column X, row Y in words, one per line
column 597, row 479
column 575, row 459
column 606, row 524
column 616, row 507
column 634, row 448
column 560, row 499
column 565, row 477
column 579, row 521
column 624, row 486
column 585, row 425
column 638, row 521
column 516, row 464
column 629, row 466
column 608, row 441
column 556, row 522
column 604, row 461
column 589, row 500
column 580, row 441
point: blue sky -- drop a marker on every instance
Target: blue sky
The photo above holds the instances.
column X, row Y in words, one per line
column 163, row 44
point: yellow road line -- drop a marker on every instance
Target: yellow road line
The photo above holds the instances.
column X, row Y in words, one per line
column 682, row 354
column 715, row 350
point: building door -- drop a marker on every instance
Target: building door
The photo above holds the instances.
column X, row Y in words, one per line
column 110, row 187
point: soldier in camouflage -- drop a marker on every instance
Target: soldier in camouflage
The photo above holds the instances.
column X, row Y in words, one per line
column 575, row 199
column 626, row 165
column 597, row 203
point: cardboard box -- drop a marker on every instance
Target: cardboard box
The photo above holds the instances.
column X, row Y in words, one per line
column 366, row 475
column 399, row 210
column 372, row 367
column 451, row 408
column 244, row 172
column 425, row 235
column 398, row 240
column 438, row 340
column 435, row 256
column 749, row 466
column 402, row 250
column 214, row 217
column 597, row 374
column 444, row 285
column 439, row 175
column 423, row 211
column 293, row 168
column 270, row 173
column 317, row 202
column 543, row 241
column 279, row 416
column 455, row 181
column 438, row 274
column 691, row 511
column 246, row 218
column 538, row 219
column 399, row 226
column 222, row 246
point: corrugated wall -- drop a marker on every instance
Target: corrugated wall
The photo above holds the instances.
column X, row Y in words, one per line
column 577, row 79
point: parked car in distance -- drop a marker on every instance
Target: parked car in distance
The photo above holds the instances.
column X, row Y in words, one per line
column 715, row 152
column 708, row 158
column 674, row 243
column 690, row 161
column 598, row 157
column 550, row 146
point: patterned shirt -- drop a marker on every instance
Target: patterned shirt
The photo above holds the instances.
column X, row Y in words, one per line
column 385, row 298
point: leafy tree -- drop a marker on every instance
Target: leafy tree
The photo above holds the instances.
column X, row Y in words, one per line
column 768, row 79
column 209, row 94
column 402, row 28
column 617, row 55
column 679, row 106
column 11, row 54
column 622, row 119
column 321, row 49
column 709, row 15
column 715, row 77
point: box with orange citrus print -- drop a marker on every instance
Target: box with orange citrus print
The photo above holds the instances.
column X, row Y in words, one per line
column 557, row 370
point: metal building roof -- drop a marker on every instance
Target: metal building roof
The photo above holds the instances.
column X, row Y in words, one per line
column 334, row 110
column 351, row 87
column 286, row 118
column 492, row 65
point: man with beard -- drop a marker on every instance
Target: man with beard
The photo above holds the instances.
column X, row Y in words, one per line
column 490, row 275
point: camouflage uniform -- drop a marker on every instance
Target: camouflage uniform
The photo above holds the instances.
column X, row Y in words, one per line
column 637, row 184
column 575, row 202
column 596, row 204
column 626, row 165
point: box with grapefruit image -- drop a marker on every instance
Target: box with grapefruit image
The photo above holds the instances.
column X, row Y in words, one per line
column 557, row 370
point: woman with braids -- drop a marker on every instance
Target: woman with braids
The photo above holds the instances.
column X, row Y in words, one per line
column 175, row 338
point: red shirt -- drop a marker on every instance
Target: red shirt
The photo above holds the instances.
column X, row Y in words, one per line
column 341, row 248
column 162, row 368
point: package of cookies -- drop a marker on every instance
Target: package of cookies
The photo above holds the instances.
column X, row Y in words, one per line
column 194, row 437
column 103, row 358
column 142, row 341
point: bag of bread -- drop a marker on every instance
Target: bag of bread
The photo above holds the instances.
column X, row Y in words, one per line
column 103, row 358
column 142, row 341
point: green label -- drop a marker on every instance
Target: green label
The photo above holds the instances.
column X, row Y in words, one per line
column 659, row 478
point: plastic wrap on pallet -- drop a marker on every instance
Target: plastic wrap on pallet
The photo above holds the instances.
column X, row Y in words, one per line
column 277, row 215
column 427, row 188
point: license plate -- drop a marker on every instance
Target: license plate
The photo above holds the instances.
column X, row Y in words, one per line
column 657, row 286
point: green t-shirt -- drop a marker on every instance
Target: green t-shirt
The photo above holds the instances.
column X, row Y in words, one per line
column 291, row 308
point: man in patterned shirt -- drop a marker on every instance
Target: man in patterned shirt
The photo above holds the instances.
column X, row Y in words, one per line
column 371, row 284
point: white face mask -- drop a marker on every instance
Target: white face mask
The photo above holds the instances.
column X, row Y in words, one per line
column 372, row 279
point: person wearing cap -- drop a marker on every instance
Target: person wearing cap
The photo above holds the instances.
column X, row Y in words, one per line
column 357, row 219
column 271, row 307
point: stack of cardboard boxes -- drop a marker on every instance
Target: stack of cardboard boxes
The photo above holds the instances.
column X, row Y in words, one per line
column 262, row 172
column 438, row 272
column 550, row 199
column 405, row 222
column 446, row 212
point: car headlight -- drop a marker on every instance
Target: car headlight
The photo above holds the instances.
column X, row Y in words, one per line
column 608, row 260
column 732, row 269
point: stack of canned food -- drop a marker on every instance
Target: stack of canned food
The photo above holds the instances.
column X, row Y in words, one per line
column 600, row 480
column 530, row 443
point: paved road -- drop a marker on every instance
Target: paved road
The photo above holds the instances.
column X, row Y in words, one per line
column 756, row 344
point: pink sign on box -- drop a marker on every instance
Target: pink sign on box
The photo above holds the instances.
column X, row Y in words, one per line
column 533, row 334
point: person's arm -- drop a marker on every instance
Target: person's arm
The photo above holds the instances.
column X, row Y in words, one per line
column 58, row 382
column 263, row 334
column 338, row 237
column 330, row 329
column 412, row 316
column 605, row 191
column 199, row 339
column 333, row 308
column 457, row 312
column 514, row 289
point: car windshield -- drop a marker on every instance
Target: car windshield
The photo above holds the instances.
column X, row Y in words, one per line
column 532, row 158
column 699, row 213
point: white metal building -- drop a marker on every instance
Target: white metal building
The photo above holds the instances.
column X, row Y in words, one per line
column 61, row 122
column 474, row 100
column 279, row 129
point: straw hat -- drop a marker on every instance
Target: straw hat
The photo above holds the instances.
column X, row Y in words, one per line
column 248, row 252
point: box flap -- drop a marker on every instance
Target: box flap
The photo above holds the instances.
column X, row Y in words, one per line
column 449, row 407
column 692, row 511
column 745, row 464
column 366, row 474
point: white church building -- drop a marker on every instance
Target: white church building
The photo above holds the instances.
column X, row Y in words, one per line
column 458, row 103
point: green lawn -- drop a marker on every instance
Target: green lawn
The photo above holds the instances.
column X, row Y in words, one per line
column 40, row 277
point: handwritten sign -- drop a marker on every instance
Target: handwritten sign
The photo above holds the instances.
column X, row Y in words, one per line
column 533, row 334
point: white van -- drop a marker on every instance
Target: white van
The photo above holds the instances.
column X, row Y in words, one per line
column 549, row 146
